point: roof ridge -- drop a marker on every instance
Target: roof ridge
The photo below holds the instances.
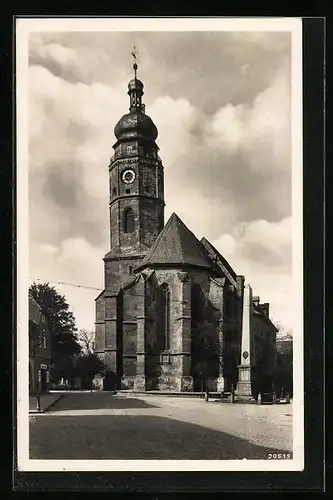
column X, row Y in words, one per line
column 176, row 244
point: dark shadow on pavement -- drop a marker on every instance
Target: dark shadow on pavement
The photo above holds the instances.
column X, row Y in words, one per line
column 99, row 400
column 135, row 437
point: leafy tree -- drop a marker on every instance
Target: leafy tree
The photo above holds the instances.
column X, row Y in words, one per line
column 87, row 366
column 62, row 327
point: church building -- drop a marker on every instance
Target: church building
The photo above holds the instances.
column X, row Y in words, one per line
column 173, row 315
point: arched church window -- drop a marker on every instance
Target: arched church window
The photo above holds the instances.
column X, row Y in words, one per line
column 165, row 310
column 128, row 220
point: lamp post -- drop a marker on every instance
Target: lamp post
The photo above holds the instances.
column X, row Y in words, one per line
column 37, row 371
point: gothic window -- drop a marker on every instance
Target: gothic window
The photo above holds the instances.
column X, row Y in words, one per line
column 128, row 220
column 165, row 310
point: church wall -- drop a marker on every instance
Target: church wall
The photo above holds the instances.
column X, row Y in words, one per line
column 129, row 241
column 164, row 370
column 114, row 225
column 151, row 221
column 169, row 367
column 215, row 315
column 117, row 271
column 131, row 309
column 152, row 333
column 205, row 312
column 148, row 180
column 114, row 183
column 100, row 324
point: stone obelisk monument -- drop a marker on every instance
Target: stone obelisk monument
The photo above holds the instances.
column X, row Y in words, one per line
column 244, row 385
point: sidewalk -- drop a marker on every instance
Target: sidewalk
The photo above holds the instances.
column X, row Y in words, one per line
column 46, row 401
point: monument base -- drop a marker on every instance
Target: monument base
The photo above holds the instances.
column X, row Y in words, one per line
column 220, row 384
column 244, row 385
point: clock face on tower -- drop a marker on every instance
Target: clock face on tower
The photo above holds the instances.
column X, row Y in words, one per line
column 128, row 176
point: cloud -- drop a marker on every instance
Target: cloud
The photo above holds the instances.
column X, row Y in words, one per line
column 222, row 111
column 76, row 261
column 261, row 251
column 260, row 130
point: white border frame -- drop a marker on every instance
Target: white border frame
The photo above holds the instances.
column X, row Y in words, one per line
column 23, row 27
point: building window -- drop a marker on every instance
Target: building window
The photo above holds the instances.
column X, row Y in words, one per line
column 130, row 269
column 165, row 310
column 114, row 191
column 128, row 220
column 127, row 190
column 147, row 189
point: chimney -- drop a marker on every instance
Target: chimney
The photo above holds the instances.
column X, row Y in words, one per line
column 256, row 301
column 264, row 308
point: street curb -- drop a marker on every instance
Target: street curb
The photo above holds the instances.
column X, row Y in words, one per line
column 53, row 403
column 33, row 412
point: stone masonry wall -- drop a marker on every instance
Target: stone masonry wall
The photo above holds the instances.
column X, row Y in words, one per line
column 100, row 324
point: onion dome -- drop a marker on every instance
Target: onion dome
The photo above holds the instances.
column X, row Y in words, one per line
column 135, row 84
column 135, row 124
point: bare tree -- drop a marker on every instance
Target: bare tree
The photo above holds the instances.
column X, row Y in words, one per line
column 86, row 339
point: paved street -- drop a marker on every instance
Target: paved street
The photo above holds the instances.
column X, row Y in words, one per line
column 46, row 400
column 107, row 426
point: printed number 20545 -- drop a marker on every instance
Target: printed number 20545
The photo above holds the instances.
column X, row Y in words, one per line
column 279, row 456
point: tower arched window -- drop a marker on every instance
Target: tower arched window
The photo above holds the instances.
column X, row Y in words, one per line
column 128, row 220
column 165, row 310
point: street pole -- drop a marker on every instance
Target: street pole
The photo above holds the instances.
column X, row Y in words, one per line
column 35, row 346
column 36, row 377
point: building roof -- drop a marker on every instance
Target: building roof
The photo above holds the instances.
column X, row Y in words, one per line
column 263, row 316
column 175, row 245
column 219, row 260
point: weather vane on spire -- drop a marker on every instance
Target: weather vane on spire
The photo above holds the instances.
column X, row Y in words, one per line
column 135, row 58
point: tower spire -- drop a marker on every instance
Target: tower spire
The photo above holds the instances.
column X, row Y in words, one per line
column 135, row 58
column 135, row 87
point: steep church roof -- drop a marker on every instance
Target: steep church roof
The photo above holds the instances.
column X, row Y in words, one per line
column 219, row 260
column 175, row 245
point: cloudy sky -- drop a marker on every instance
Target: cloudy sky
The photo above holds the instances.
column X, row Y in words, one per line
column 221, row 102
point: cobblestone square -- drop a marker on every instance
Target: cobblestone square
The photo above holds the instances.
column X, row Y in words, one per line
column 105, row 426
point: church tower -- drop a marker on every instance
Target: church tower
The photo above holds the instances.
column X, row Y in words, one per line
column 136, row 204
column 136, row 190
